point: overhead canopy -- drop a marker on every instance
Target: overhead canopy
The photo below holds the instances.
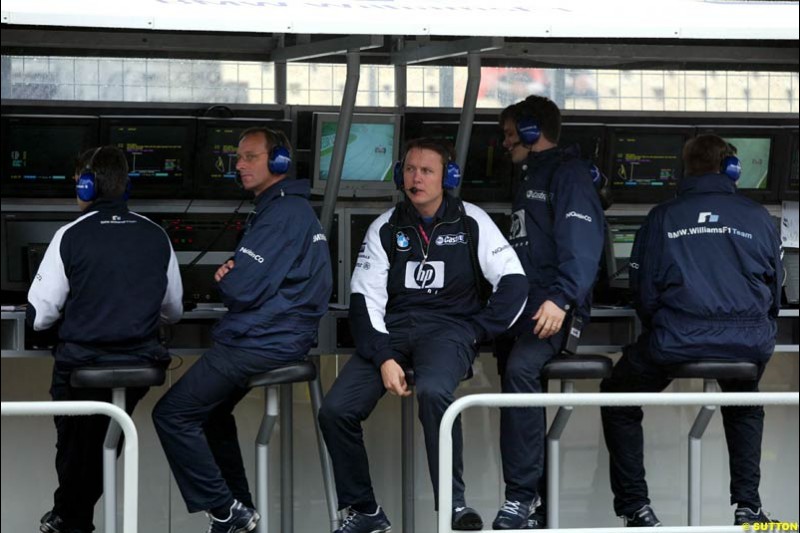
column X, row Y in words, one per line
column 585, row 19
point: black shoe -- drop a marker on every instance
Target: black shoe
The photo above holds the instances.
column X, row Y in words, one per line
column 644, row 517
column 514, row 514
column 743, row 515
column 51, row 523
column 538, row 520
column 365, row 523
column 241, row 519
column 466, row 519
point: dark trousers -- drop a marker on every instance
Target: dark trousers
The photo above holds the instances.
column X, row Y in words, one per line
column 439, row 364
column 622, row 427
column 195, row 422
column 79, row 447
column 523, row 429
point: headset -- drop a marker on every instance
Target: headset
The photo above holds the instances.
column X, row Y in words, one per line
column 528, row 130
column 86, row 187
column 731, row 166
column 451, row 174
column 280, row 159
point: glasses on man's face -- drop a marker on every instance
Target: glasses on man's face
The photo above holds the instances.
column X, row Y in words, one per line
column 249, row 157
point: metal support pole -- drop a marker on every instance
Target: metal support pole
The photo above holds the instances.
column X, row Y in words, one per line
column 407, row 455
column 696, row 455
column 400, row 79
column 287, row 460
column 280, row 76
column 553, row 456
column 340, row 144
column 262, row 456
column 468, row 111
column 110, row 464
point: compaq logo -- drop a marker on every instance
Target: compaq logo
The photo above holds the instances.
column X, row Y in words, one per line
column 536, row 195
column 581, row 216
column 251, row 253
column 448, row 240
column 707, row 216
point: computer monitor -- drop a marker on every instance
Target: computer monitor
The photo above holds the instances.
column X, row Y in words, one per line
column 644, row 164
column 25, row 237
column 620, row 238
column 215, row 173
column 160, row 152
column 488, row 171
column 40, row 153
column 588, row 138
column 372, row 149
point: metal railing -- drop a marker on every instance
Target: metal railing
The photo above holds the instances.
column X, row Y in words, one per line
column 594, row 400
column 131, row 460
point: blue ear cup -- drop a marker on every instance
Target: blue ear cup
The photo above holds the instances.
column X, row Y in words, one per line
column 731, row 167
column 85, row 186
column 280, row 160
column 452, row 176
column 528, row 130
column 397, row 174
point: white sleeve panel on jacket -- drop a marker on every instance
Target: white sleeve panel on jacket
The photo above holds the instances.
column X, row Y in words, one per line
column 50, row 286
column 495, row 255
column 371, row 274
column 172, row 304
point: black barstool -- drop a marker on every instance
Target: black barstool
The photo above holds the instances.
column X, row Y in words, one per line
column 118, row 379
column 709, row 372
column 567, row 369
column 305, row 371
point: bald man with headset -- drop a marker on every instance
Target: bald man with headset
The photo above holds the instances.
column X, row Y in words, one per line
column 416, row 303
column 276, row 289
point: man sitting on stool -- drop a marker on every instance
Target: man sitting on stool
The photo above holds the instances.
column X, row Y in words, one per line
column 706, row 274
column 110, row 276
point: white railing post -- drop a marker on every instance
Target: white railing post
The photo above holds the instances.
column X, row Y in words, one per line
column 131, row 460
column 587, row 399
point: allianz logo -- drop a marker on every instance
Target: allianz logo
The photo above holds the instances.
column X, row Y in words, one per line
column 251, row 253
column 581, row 216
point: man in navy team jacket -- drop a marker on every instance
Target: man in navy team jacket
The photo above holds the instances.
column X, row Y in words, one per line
column 276, row 289
column 706, row 274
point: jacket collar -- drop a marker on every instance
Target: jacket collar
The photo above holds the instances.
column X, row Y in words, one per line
column 449, row 210
column 107, row 204
column 285, row 187
column 707, row 183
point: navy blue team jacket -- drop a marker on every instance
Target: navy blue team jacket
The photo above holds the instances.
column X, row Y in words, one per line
column 281, row 280
column 706, row 272
column 559, row 243
column 112, row 276
column 435, row 281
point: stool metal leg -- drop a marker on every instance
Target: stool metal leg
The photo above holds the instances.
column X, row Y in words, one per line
column 110, row 464
column 695, row 455
column 553, row 457
column 407, row 454
column 315, row 391
column 262, row 456
column 287, row 461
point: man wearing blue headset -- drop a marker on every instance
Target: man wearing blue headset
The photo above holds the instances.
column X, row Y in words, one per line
column 416, row 304
column 706, row 275
column 276, row 288
column 557, row 230
column 106, row 280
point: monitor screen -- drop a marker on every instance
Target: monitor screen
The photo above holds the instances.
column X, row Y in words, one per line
column 217, row 141
column 372, row 148
column 588, row 138
column 25, row 239
column 40, row 153
column 645, row 159
column 160, row 152
column 622, row 233
column 754, row 155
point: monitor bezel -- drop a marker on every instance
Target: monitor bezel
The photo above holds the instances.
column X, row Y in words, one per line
column 203, row 186
column 356, row 189
column 178, row 189
column 770, row 194
column 650, row 195
column 46, row 189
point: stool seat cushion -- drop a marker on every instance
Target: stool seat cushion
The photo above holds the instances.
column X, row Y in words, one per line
column 292, row 373
column 577, row 367
column 740, row 370
column 113, row 377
